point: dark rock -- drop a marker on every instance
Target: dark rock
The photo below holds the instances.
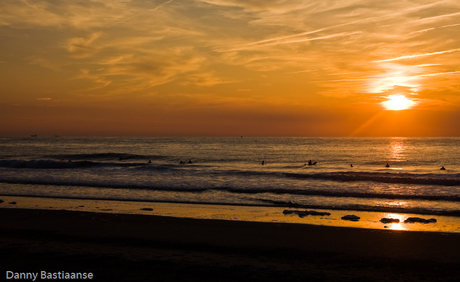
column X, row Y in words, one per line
column 389, row 220
column 306, row 213
column 351, row 217
column 12, row 203
column 288, row 212
column 146, row 209
column 1, row 201
column 419, row 220
column 318, row 213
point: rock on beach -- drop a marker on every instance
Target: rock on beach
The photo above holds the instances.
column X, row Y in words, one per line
column 306, row 213
column 420, row 220
column 351, row 217
column 389, row 220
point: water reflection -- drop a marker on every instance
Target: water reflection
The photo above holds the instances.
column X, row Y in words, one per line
column 399, row 204
column 395, row 225
column 397, row 148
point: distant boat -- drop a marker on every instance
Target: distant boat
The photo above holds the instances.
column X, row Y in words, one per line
column 34, row 135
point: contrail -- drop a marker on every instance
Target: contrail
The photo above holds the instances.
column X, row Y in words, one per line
column 439, row 73
column 417, row 56
column 285, row 37
column 271, row 42
column 149, row 10
column 421, row 31
column 438, row 17
column 265, row 41
column 315, row 38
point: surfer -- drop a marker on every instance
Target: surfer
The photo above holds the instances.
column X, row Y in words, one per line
column 442, row 168
column 387, row 165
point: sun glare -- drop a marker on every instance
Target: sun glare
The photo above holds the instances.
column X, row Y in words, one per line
column 398, row 102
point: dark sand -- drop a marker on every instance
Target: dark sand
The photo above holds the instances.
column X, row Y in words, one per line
column 153, row 248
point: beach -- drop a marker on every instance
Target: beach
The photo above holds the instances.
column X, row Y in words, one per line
column 135, row 209
column 127, row 247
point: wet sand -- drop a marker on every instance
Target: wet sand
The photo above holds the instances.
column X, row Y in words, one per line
column 370, row 220
column 124, row 247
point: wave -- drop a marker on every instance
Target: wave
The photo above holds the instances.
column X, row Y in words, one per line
column 343, row 194
column 442, row 179
column 234, row 190
column 384, row 177
column 50, row 164
column 106, row 156
column 43, row 164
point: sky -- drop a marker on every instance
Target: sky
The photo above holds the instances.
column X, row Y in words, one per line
column 229, row 67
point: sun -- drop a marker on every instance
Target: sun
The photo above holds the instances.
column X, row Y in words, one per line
column 397, row 103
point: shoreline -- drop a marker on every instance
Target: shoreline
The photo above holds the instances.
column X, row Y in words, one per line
column 132, row 247
column 368, row 220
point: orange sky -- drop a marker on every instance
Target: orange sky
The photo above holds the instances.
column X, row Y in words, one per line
column 228, row 67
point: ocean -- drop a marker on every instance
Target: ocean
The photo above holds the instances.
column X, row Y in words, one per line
column 396, row 175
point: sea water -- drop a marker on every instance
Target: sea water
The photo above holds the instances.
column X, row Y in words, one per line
column 401, row 175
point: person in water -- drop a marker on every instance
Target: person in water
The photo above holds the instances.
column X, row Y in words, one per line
column 442, row 168
column 387, row 165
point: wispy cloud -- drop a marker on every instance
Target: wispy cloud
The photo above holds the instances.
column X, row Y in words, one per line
column 131, row 73
column 210, row 78
column 438, row 17
column 418, row 55
column 141, row 13
column 82, row 47
column 451, row 25
column 124, row 47
column 286, row 40
column 271, row 40
column 440, row 73
column 421, row 31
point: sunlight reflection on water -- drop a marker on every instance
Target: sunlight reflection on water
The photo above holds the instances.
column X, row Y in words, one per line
column 397, row 149
column 396, row 226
